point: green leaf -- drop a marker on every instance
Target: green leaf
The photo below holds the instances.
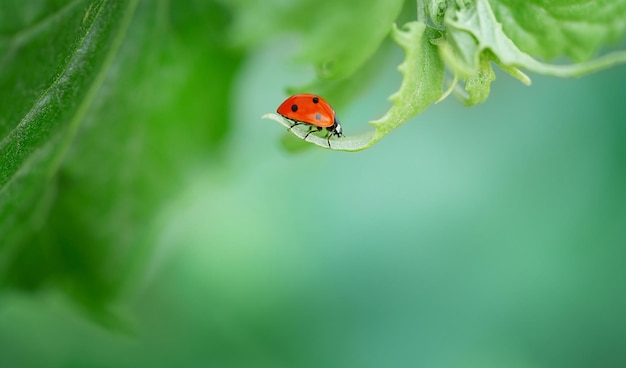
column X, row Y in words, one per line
column 436, row 11
column 106, row 139
column 335, row 36
column 423, row 72
column 474, row 35
column 479, row 84
column 50, row 71
column 422, row 80
column 81, row 42
column 342, row 91
column 551, row 29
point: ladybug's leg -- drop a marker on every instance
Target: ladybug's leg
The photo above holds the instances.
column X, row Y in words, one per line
column 294, row 124
column 311, row 130
column 328, row 135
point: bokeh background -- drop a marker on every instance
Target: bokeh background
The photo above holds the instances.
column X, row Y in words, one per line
column 493, row 236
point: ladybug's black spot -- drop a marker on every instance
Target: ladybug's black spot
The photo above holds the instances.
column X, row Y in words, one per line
column 316, row 100
column 294, row 107
column 318, row 116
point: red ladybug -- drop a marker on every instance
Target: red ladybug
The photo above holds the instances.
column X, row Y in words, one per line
column 313, row 111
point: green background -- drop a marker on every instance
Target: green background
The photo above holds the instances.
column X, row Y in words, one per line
column 486, row 237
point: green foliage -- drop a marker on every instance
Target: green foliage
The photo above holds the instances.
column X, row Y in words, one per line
column 107, row 104
column 552, row 29
column 77, row 43
column 129, row 133
column 361, row 24
column 422, row 70
column 473, row 30
column 474, row 36
column 92, row 142
column 478, row 85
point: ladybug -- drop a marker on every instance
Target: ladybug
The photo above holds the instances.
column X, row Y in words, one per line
column 313, row 111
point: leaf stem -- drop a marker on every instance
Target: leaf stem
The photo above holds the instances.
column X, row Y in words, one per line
column 421, row 11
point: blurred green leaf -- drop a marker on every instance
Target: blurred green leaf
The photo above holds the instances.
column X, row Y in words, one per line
column 551, row 29
column 343, row 91
column 108, row 140
column 335, row 36
column 54, row 63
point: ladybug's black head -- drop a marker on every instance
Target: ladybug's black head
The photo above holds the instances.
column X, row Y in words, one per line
column 334, row 130
column 337, row 128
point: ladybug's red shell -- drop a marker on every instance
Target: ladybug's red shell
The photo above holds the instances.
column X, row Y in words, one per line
column 309, row 109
